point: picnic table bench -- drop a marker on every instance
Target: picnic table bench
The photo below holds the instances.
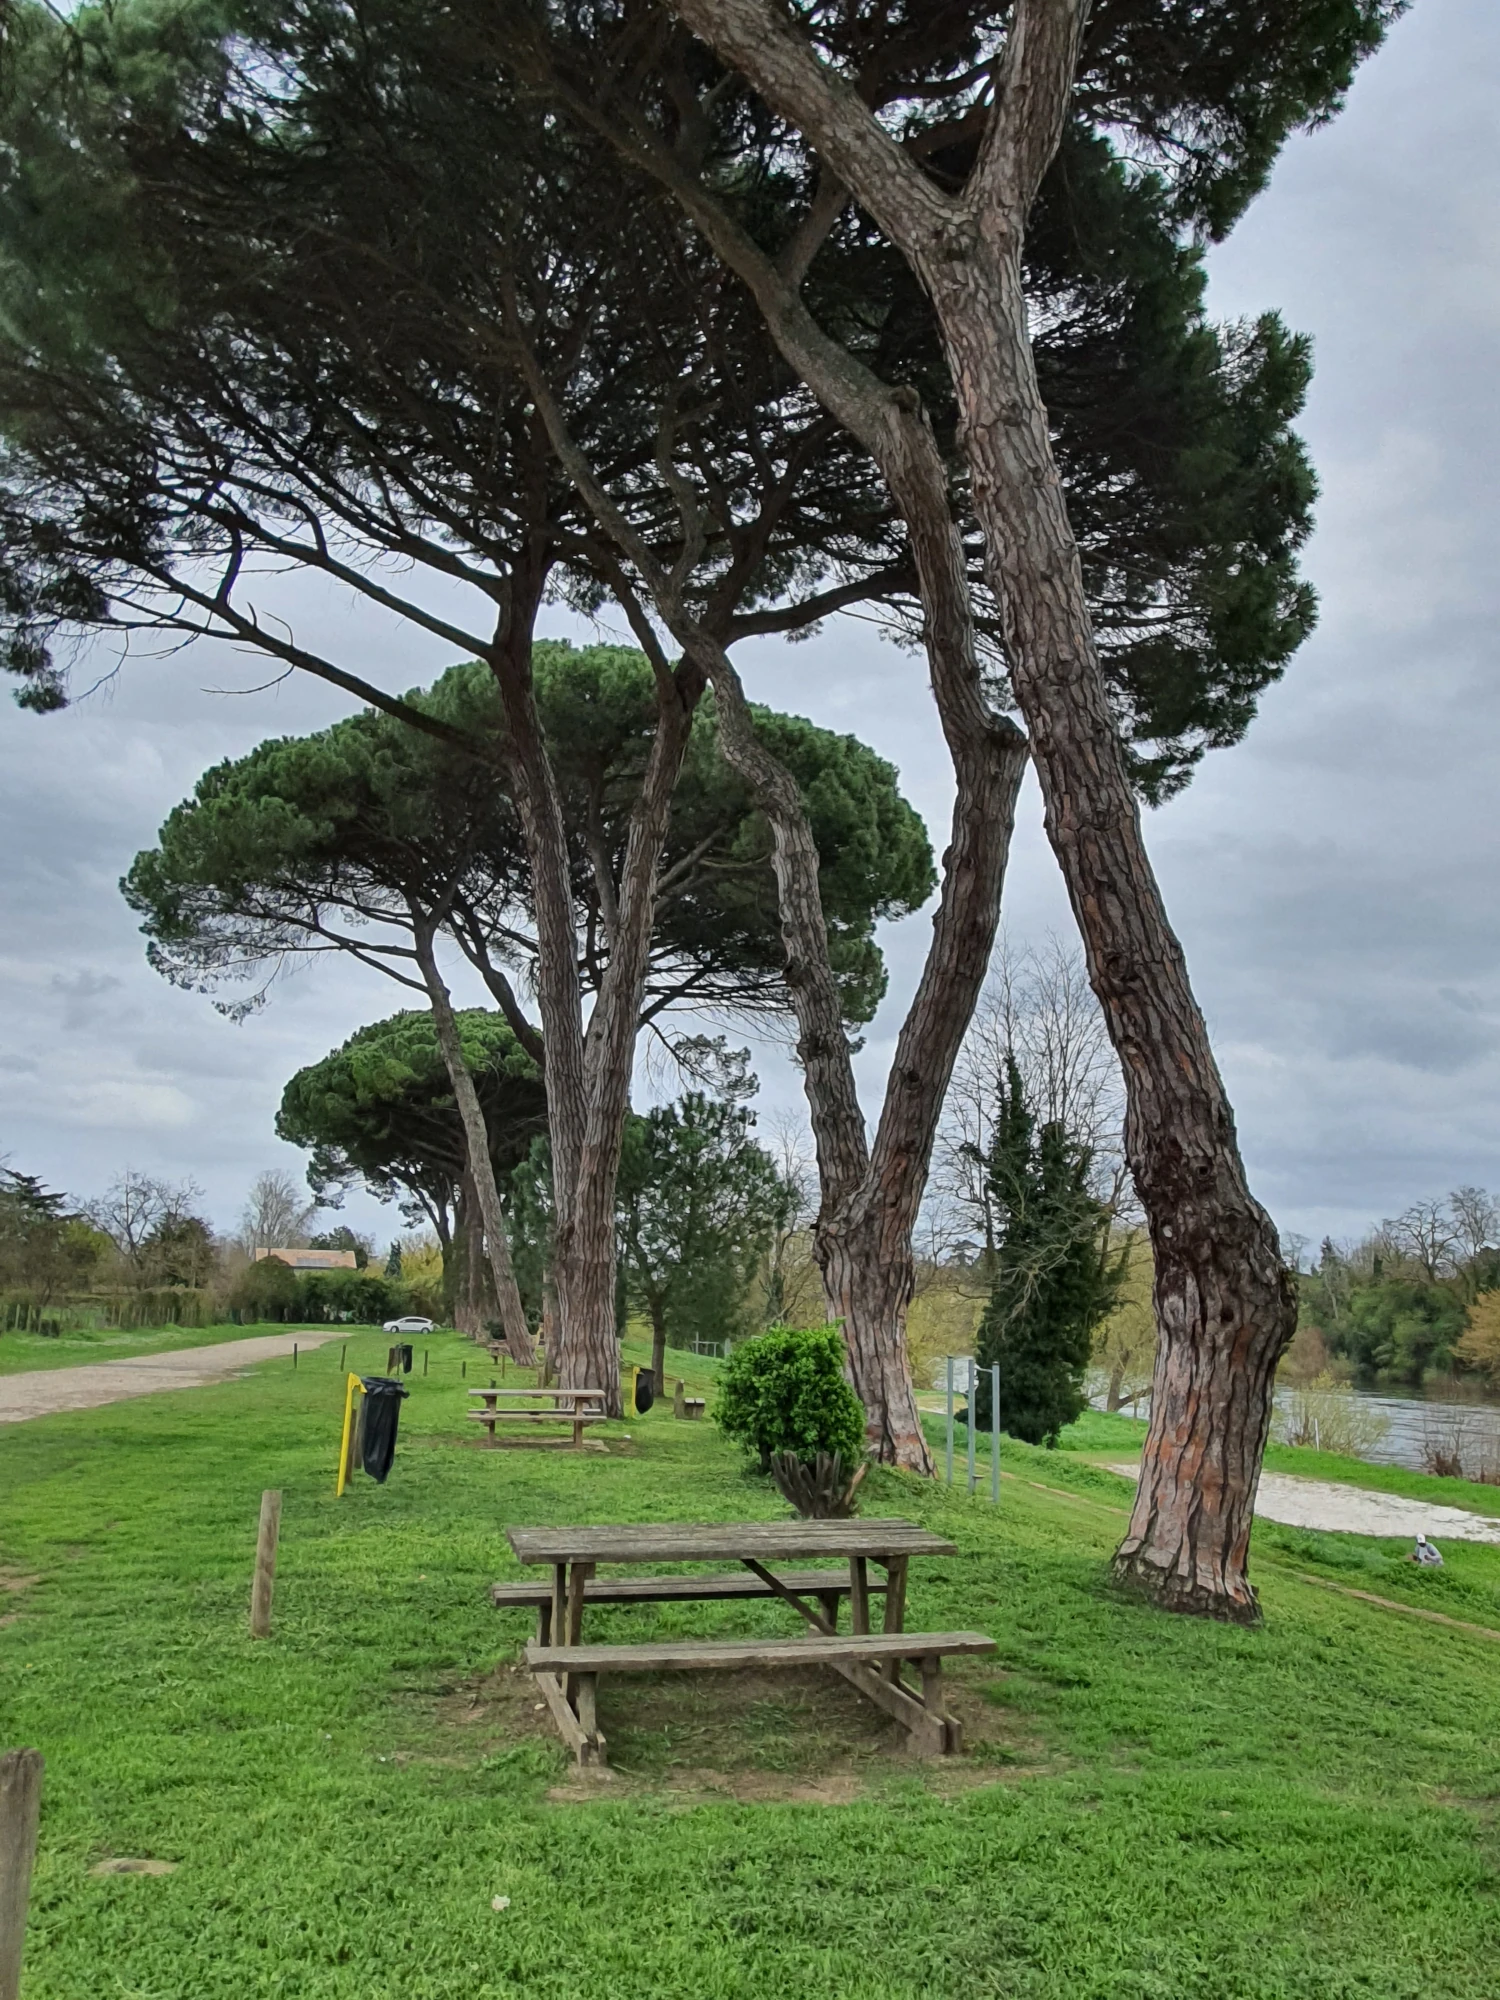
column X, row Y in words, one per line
column 577, row 1407
column 567, row 1671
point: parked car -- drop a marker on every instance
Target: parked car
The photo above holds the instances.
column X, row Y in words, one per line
column 411, row 1324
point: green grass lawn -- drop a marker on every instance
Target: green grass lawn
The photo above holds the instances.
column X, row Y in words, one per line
column 1150, row 1808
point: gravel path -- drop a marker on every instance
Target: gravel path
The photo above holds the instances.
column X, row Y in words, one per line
column 46, row 1391
column 1354, row 1510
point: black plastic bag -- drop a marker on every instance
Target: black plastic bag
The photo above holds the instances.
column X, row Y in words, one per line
column 645, row 1391
column 381, row 1414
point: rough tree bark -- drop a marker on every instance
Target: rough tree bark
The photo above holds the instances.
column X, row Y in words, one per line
column 869, row 1196
column 1225, row 1305
column 481, row 1168
column 588, row 1073
column 469, row 1300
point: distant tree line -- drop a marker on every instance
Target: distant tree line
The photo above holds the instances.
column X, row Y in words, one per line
column 1412, row 1299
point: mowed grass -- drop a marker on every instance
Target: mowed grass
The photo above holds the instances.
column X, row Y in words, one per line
column 1150, row 1808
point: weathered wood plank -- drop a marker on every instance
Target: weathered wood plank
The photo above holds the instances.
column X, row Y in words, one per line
column 584, row 1748
column 926, row 1737
column 20, row 1807
column 819, row 1620
column 685, row 1655
column 895, row 1603
column 765, row 1541
column 534, row 1417
column 825, row 1584
column 859, row 1593
column 569, row 1396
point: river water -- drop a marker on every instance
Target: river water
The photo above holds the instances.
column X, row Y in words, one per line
column 1416, row 1424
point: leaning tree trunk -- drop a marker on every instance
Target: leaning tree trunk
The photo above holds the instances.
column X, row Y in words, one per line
column 481, row 1166
column 474, row 1303
column 884, row 1189
column 1225, row 1306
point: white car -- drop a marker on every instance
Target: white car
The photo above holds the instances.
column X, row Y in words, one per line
column 409, row 1325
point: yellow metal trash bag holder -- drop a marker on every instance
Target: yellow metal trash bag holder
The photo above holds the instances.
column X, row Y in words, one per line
column 349, row 1447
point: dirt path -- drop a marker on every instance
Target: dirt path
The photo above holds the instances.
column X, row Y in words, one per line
column 1355, row 1510
column 86, row 1387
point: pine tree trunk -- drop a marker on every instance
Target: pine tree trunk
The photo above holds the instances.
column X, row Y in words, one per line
column 588, row 1076
column 869, row 1286
column 1225, row 1307
column 470, row 1302
column 481, row 1166
column 551, row 1329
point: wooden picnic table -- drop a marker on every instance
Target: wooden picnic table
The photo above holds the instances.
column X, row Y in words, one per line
column 872, row 1663
column 577, row 1407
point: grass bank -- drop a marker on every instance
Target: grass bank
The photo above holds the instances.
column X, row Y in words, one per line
column 1151, row 1809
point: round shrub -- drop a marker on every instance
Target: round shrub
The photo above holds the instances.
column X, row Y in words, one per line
column 785, row 1391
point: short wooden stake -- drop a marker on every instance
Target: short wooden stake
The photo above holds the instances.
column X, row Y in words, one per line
column 294, row 1353
column 424, row 1360
column 342, row 1352
column 20, row 1807
column 265, row 1565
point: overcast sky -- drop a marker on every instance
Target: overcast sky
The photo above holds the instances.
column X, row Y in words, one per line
column 1333, row 879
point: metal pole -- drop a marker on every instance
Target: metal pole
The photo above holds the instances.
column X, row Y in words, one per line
column 973, row 1421
column 20, row 1806
column 294, row 1353
column 950, row 1419
column 424, row 1360
column 995, row 1433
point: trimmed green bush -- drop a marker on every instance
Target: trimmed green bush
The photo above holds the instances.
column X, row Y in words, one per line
column 785, row 1391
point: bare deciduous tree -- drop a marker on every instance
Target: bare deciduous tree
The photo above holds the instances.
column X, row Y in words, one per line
column 1039, row 1009
column 136, row 1207
column 277, row 1214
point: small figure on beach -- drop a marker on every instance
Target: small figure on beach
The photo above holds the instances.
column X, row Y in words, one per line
column 1427, row 1553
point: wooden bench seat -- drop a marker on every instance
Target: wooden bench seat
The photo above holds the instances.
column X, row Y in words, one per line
column 590, row 1416
column 872, row 1661
column 827, row 1586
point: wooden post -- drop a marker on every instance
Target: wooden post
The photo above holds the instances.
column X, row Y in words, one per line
column 265, row 1565
column 859, row 1594
column 679, row 1399
column 20, row 1807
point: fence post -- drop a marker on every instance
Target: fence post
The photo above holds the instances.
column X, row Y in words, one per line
column 995, row 1432
column 973, row 1420
column 20, row 1807
column 265, row 1565
column 949, row 1359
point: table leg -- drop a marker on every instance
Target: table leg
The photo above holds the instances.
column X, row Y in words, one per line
column 588, row 1713
column 895, row 1607
column 859, row 1595
column 559, row 1604
column 582, row 1571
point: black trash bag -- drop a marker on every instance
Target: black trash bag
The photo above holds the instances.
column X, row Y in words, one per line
column 406, row 1358
column 645, row 1391
column 381, row 1414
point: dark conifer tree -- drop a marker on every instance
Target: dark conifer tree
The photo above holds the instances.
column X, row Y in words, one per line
column 1054, row 1279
